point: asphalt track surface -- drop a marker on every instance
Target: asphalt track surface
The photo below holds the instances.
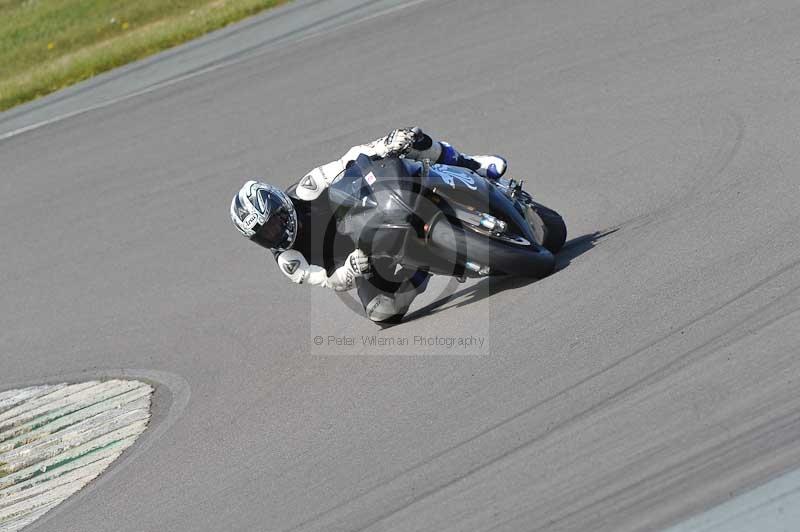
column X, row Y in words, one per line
column 652, row 377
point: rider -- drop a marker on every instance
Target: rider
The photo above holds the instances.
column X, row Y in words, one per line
column 293, row 224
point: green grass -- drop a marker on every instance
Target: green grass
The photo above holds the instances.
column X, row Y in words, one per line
column 49, row 44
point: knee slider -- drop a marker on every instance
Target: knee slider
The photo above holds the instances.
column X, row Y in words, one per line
column 383, row 308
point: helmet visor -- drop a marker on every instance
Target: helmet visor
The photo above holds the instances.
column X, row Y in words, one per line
column 280, row 228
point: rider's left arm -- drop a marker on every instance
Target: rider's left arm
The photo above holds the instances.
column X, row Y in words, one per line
column 295, row 267
column 321, row 177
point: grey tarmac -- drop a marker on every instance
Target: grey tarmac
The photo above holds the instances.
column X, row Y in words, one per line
column 654, row 376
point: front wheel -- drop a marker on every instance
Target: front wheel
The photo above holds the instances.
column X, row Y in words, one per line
column 460, row 244
column 555, row 230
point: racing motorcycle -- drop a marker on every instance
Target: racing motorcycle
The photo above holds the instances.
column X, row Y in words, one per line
column 445, row 220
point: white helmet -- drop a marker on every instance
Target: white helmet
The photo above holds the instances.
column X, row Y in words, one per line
column 266, row 215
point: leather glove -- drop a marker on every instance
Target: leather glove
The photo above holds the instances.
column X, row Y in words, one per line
column 358, row 263
column 398, row 142
column 344, row 278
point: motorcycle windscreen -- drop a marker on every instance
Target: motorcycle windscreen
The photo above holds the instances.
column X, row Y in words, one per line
column 373, row 203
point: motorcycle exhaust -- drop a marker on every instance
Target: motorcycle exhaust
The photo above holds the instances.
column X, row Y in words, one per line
column 490, row 223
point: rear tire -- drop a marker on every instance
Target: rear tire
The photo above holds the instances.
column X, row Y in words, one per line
column 555, row 230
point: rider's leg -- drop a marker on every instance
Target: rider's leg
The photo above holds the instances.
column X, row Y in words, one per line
column 387, row 301
column 425, row 147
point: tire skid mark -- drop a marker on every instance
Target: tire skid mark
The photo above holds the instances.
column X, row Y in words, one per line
column 780, row 432
column 771, row 288
column 680, row 362
column 710, row 175
column 773, row 436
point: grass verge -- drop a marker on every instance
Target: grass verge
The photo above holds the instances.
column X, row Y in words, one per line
column 46, row 45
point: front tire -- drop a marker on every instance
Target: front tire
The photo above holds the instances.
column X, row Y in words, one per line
column 450, row 242
column 555, row 230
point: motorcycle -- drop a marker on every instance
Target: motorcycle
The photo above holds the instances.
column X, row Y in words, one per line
column 445, row 220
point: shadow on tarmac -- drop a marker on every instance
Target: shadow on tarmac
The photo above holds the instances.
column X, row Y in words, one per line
column 494, row 285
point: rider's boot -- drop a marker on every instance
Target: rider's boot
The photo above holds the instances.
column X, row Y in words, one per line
column 424, row 147
column 491, row 166
column 389, row 306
